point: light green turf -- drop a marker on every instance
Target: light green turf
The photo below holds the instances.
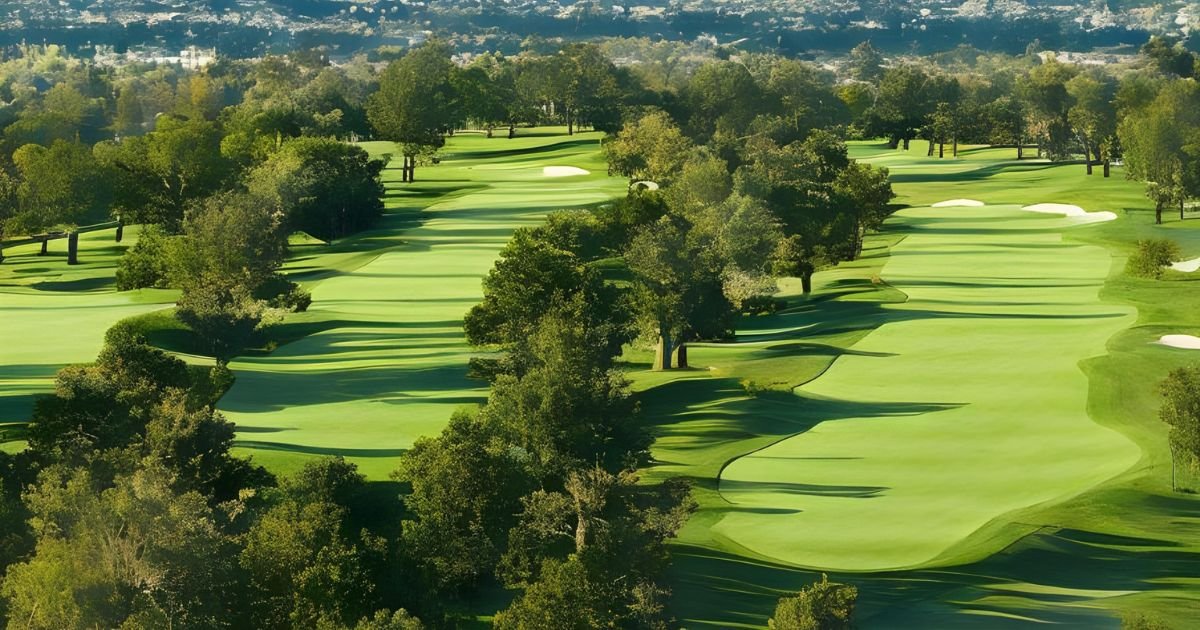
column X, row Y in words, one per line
column 959, row 408
column 53, row 314
column 1127, row 543
column 386, row 360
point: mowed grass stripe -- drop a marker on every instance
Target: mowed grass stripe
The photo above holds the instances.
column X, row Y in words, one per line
column 387, row 361
column 969, row 402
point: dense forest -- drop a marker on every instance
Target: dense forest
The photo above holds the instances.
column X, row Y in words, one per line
column 128, row 508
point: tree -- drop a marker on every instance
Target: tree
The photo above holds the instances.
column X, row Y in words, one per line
column 591, row 95
column 678, row 288
column 326, row 188
column 1180, row 410
column 307, row 566
column 566, row 406
column 226, row 266
column 1047, row 103
column 416, row 102
column 466, row 488
column 531, row 274
column 1093, row 116
column 9, row 204
column 1161, row 145
column 902, row 105
column 650, row 148
column 135, row 555
column 109, row 403
column 608, row 577
column 129, row 119
column 866, row 63
column 1169, row 56
column 721, row 96
column 60, row 185
column 160, row 174
column 823, row 605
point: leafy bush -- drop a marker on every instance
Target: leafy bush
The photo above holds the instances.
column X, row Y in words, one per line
column 147, row 263
column 1151, row 256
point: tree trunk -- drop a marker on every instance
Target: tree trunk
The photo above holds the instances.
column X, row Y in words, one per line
column 929, row 151
column 1, row 243
column 1020, row 151
column 45, row 246
column 806, row 281
column 489, row 131
column 73, row 247
column 954, row 147
column 662, row 354
column 1088, row 161
column 581, row 527
column 906, row 143
column 120, row 229
column 1107, row 168
column 893, row 142
column 1181, row 201
column 570, row 125
column 681, row 360
column 512, row 131
column 1158, row 208
column 1087, row 156
column 941, row 150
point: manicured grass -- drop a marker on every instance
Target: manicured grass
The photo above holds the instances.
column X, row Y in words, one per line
column 53, row 314
column 1025, row 501
column 380, row 358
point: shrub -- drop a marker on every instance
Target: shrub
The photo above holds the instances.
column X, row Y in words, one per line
column 1151, row 256
column 823, row 605
column 147, row 263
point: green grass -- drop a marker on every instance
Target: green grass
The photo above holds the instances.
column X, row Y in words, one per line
column 53, row 314
column 996, row 432
column 380, row 359
column 962, row 422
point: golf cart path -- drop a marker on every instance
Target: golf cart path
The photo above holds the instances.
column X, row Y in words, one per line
column 967, row 405
column 390, row 364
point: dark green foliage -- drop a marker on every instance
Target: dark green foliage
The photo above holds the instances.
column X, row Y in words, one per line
column 466, row 489
column 824, row 605
column 157, row 176
column 108, row 404
column 306, row 565
column 134, row 555
column 1151, row 257
column 324, row 187
column 147, row 263
column 1181, row 410
column 532, row 273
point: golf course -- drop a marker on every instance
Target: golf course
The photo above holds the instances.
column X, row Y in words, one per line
column 960, row 422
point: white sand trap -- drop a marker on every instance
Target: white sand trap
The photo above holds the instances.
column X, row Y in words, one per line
column 563, row 171
column 1186, row 266
column 648, row 185
column 1068, row 210
column 1187, row 342
column 958, row 203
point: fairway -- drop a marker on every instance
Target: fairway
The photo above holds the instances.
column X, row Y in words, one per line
column 968, row 402
column 386, row 362
column 55, row 315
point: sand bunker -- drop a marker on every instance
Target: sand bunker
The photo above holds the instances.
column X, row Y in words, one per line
column 1187, row 342
column 1074, row 212
column 1186, row 266
column 648, row 185
column 958, row 203
column 563, row 171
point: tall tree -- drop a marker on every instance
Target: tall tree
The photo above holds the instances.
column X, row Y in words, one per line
column 1161, row 145
column 416, row 103
column 823, row 605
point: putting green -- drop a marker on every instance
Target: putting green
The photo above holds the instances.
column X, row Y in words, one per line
column 971, row 404
column 386, row 361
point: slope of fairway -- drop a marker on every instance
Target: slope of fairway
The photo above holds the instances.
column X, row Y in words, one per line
column 56, row 314
column 387, row 361
column 956, row 411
